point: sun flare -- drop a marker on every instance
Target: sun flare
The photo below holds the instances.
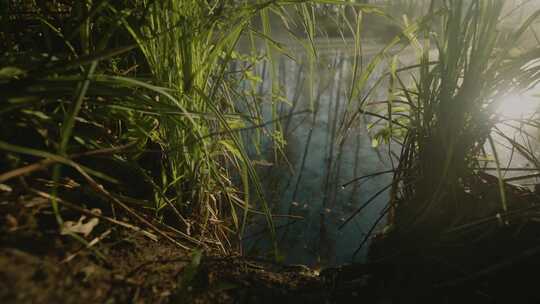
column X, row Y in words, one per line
column 518, row 106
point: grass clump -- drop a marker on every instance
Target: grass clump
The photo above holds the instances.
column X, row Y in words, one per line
column 452, row 110
column 131, row 107
column 130, row 101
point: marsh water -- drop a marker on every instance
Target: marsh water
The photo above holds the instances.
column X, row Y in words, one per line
column 328, row 144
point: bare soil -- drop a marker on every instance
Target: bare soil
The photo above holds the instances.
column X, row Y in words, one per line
column 492, row 259
column 39, row 265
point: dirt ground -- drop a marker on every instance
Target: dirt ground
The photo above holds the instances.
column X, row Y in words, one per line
column 489, row 262
column 39, row 265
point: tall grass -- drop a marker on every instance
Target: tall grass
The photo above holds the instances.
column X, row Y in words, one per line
column 148, row 117
column 451, row 102
column 193, row 43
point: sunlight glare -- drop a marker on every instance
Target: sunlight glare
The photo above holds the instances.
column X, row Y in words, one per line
column 517, row 106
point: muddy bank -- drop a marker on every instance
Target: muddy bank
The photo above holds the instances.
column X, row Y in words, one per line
column 40, row 265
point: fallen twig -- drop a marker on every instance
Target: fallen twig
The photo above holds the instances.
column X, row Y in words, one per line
column 90, row 213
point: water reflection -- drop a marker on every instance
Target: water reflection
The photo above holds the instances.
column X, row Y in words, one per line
column 320, row 159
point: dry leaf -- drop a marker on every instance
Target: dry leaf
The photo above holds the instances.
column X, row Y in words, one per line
column 80, row 227
column 5, row 188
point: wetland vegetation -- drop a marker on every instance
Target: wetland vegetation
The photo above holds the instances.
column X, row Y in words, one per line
column 240, row 151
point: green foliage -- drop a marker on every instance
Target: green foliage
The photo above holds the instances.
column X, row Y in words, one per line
column 166, row 116
column 133, row 102
column 452, row 103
